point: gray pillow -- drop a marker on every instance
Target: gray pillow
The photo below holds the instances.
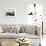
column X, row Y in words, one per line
column 21, row 29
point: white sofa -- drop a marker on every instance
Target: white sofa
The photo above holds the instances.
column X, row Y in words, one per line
column 10, row 31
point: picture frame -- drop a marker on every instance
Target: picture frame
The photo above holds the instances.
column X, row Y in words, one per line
column 10, row 12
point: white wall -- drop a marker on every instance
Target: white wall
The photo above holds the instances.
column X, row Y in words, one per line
column 20, row 5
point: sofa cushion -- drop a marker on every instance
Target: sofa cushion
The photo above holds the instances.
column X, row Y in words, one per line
column 21, row 29
column 30, row 29
column 9, row 28
column 1, row 30
column 38, row 28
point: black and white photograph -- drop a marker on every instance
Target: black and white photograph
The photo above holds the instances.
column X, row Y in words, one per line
column 10, row 12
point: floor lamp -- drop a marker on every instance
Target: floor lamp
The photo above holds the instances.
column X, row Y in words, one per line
column 42, row 26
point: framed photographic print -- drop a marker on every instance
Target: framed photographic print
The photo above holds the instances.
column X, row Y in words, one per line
column 10, row 12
